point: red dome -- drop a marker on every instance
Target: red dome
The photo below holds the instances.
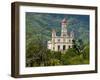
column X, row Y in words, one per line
column 64, row 21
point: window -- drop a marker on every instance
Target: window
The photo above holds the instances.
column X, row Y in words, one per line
column 69, row 46
column 58, row 40
column 53, row 48
column 64, row 34
column 64, row 47
column 58, row 47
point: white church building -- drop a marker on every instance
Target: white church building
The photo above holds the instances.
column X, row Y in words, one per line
column 62, row 42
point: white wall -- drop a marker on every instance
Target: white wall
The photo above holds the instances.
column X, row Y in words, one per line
column 5, row 40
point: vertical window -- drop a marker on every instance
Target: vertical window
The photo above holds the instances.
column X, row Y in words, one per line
column 53, row 48
column 64, row 47
column 69, row 46
column 58, row 47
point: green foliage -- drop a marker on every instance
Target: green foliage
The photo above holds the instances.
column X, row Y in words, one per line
column 38, row 55
column 54, row 62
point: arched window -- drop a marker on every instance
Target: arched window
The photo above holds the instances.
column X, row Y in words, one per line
column 64, row 47
column 58, row 47
column 69, row 46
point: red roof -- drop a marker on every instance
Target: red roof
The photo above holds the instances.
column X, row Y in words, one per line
column 64, row 21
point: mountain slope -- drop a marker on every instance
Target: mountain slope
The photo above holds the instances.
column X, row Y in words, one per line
column 39, row 25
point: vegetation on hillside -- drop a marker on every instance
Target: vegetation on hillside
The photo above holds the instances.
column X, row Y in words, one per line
column 39, row 55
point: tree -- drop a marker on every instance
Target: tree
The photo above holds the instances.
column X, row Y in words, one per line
column 78, row 45
column 36, row 52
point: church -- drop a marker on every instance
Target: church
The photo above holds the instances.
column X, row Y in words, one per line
column 62, row 42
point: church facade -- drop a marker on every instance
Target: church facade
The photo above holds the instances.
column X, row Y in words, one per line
column 62, row 42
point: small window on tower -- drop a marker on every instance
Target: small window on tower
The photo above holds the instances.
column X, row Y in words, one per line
column 58, row 40
column 64, row 34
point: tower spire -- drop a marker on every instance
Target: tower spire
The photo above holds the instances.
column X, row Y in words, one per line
column 64, row 27
column 53, row 33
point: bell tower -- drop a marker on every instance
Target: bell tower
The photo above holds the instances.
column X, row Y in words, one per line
column 64, row 27
column 53, row 39
column 53, row 33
